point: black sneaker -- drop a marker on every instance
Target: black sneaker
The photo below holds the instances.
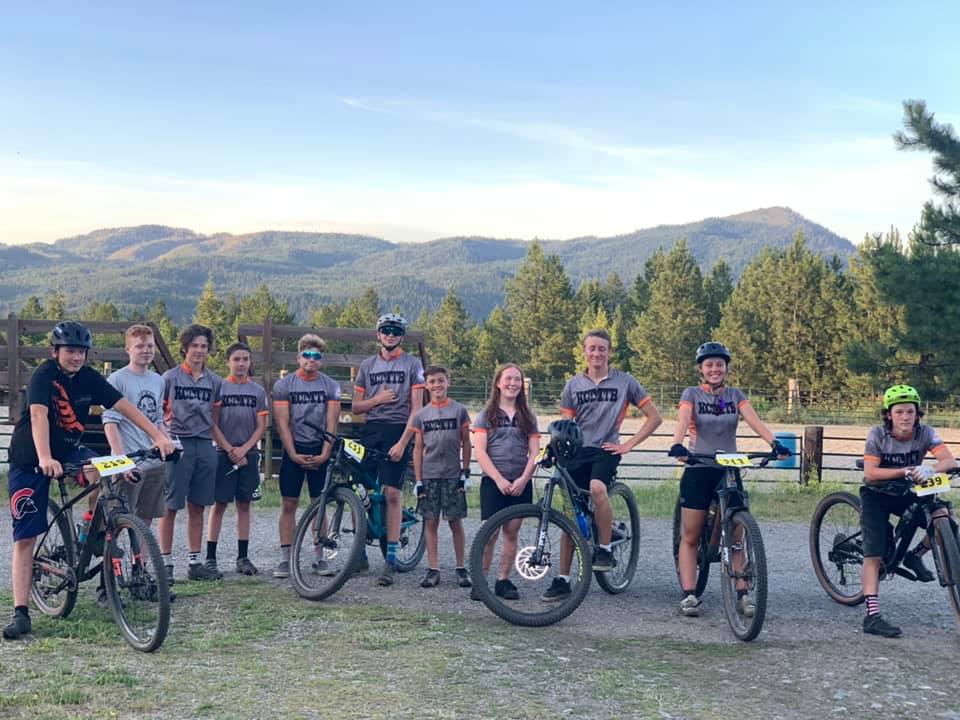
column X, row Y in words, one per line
column 18, row 627
column 245, row 567
column 558, row 590
column 507, row 590
column 463, row 578
column 474, row 593
column 431, row 579
column 202, row 572
column 876, row 625
column 914, row 562
column 603, row 560
column 386, row 575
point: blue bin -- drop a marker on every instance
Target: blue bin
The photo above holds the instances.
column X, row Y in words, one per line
column 789, row 441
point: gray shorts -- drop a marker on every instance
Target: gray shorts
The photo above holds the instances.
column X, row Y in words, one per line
column 194, row 477
column 240, row 483
column 146, row 498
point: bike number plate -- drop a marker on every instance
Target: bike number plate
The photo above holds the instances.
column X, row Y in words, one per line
column 542, row 454
column 354, row 449
column 112, row 464
column 733, row 460
column 939, row 483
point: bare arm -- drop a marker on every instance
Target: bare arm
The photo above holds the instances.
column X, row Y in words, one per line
column 418, row 457
column 486, row 464
column 873, row 473
column 159, row 438
column 684, row 413
column 112, row 431
column 40, row 431
column 465, row 447
column 218, row 435
column 652, row 420
column 945, row 459
column 533, row 447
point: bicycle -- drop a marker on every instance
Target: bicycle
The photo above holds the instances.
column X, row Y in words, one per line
column 836, row 546
column 349, row 514
column 134, row 578
column 731, row 536
column 538, row 548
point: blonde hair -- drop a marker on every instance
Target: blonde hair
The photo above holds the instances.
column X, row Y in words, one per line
column 311, row 341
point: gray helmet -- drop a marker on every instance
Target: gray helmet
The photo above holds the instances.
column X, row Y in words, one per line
column 71, row 333
column 712, row 349
column 391, row 319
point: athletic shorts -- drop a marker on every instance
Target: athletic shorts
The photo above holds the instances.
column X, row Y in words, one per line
column 444, row 496
column 29, row 495
column 146, row 498
column 875, row 511
column 593, row 463
column 194, row 477
column 492, row 500
column 698, row 487
column 382, row 437
column 237, row 484
column 292, row 475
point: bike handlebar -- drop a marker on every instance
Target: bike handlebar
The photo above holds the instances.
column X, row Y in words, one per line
column 150, row 454
column 711, row 459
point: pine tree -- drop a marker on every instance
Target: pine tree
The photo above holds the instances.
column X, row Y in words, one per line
column 449, row 339
column 56, row 306
column 361, row 311
column 622, row 357
column 716, row 290
column 493, row 344
column 211, row 311
column 33, row 309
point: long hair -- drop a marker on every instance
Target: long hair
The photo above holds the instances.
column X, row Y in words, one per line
column 526, row 420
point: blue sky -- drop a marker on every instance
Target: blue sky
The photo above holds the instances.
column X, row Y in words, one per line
column 413, row 121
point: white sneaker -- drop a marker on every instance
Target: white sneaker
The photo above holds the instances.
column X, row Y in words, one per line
column 282, row 570
column 746, row 606
column 690, row 606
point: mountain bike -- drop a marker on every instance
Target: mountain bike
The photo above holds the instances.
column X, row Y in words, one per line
column 536, row 561
column 731, row 536
column 118, row 543
column 836, row 546
column 350, row 513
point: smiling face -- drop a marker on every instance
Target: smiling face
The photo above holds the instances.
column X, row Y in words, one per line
column 70, row 358
column 141, row 350
column 437, row 385
column 309, row 360
column 714, row 370
column 197, row 351
column 510, row 383
column 596, row 351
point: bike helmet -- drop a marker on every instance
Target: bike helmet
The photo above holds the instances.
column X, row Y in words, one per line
column 712, row 349
column 391, row 319
column 71, row 333
column 566, row 439
column 900, row 394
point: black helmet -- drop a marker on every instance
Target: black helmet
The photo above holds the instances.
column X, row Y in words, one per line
column 71, row 333
column 565, row 438
column 712, row 349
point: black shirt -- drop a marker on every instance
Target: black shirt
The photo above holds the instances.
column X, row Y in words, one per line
column 68, row 400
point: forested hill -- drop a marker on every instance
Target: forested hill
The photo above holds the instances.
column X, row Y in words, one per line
column 135, row 266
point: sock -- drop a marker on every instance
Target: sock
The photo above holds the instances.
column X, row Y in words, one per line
column 873, row 605
column 242, row 546
column 565, row 578
column 167, row 559
column 21, row 610
column 211, row 549
column 392, row 553
column 605, row 547
column 461, row 567
column 194, row 558
column 285, row 553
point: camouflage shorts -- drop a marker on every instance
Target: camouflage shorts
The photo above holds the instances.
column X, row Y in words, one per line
column 444, row 496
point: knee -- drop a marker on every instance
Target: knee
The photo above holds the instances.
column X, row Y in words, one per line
column 598, row 491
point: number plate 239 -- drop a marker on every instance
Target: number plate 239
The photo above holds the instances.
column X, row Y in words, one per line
column 939, row 483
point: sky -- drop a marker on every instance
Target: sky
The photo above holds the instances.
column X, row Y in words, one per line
column 412, row 121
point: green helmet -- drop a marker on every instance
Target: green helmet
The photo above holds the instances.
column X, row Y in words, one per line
column 900, row 394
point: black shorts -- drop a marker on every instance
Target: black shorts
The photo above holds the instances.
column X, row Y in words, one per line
column 492, row 500
column 239, row 484
column 593, row 463
column 381, row 437
column 875, row 511
column 292, row 475
column 698, row 486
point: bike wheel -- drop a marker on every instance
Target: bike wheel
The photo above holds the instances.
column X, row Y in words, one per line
column 945, row 536
column 54, row 585
column 332, row 533
column 413, row 541
column 532, row 579
column 745, row 563
column 836, row 547
column 136, row 583
column 703, row 559
column 625, row 540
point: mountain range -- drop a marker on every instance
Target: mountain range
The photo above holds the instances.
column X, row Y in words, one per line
column 134, row 266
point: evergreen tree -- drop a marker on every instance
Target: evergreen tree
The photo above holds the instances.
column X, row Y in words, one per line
column 449, row 340
column 157, row 314
column 33, row 309
column 56, row 306
column 327, row 315
column 361, row 311
column 211, row 311
column 621, row 358
column 716, row 290
column 493, row 344
column 613, row 294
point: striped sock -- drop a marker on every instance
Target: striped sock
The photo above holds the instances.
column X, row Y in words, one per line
column 873, row 605
column 392, row 552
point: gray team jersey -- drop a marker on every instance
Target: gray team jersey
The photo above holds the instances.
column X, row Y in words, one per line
column 401, row 374
column 507, row 446
column 892, row 453
column 240, row 405
column 188, row 403
column 145, row 392
column 714, row 418
column 599, row 408
column 308, row 400
column 439, row 427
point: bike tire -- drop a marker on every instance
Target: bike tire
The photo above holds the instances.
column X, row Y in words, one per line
column 945, row 536
column 836, row 549
column 703, row 559
column 530, row 610
column 413, row 539
column 343, row 544
column 136, row 584
column 626, row 551
column 744, row 627
column 54, row 551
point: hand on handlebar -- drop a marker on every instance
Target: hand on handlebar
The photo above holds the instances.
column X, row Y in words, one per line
column 780, row 450
column 50, row 467
column 677, row 450
column 166, row 446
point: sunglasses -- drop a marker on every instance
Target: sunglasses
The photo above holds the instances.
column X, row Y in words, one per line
column 393, row 330
column 311, row 355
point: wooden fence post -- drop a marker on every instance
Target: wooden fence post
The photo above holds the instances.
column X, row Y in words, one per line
column 13, row 367
column 268, row 386
column 811, row 462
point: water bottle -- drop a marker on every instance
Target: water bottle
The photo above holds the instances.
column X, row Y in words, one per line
column 584, row 524
column 362, row 493
column 83, row 529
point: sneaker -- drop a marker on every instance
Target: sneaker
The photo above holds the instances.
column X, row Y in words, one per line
column 690, row 606
column 282, row 570
column 386, row 575
column 169, row 569
column 914, row 563
column 322, row 568
column 746, row 606
column 603, row 560
column 558, row 590
column 431, row 579
column 18, row 627
column 202, row 572
column 245, row 567
column 463, row 578
column 211, row 564
column 507, row 590
column 876, row 625
column 474, row 593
